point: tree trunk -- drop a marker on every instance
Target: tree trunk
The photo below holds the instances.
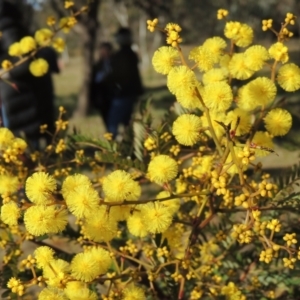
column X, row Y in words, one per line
column 88, row 28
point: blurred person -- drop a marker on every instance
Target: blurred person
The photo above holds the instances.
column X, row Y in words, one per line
column 101, row 90
column 126, row 79
column 28, row 101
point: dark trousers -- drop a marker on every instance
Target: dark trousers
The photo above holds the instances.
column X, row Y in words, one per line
column 119, row 113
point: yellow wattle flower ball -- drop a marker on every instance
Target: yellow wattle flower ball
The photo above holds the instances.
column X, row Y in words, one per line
column 86, row 266
column 180, row 78
column 289, row 77
column 238, row 67
column 262, row 139
column 189, row 97
column 162, row 168
column 244, row 121
column 279, row 52
column 6, row 138
column 217, row 96
column 55, row 271
column 83, row 201
column 164, row 59
column 19, row 144
column 214, row 75
column 216, row 46
column 119, row 186
column 39, row 67
column 157, row 217
column 204, row 58
column 39, row 187
column 258, row 92
column 278, row 121
column 133, row 293
column 43, row 36
column 43, row 256
column 100, row 226
column 58, row 44
column 72, row 182
column 27, row 44
column 9, row 184
column 51, row 293
column 186, row 129
column 78, row 290
column 6, row 65
column 10, row 212
column 15, row 49
column 256, row 56
column 240, row 33
column 136, row 224
column 40, row 219
column 173, row 204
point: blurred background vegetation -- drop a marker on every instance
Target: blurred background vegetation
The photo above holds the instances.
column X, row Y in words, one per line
column 197, row 18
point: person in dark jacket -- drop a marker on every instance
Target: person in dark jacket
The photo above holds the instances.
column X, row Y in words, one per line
column 126, row 79
column 29, row 102
column 101, row 89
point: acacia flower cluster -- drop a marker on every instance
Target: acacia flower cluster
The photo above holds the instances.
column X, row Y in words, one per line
column 178, row 221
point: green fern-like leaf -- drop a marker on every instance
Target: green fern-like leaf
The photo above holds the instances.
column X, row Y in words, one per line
column 85, row 141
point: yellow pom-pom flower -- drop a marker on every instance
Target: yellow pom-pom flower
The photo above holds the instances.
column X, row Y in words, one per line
column 173, row 204
column 186, row 129
column 204, row 58
column 240, row 33
column 10, row 212
column 74, row 181
column 238, row 67
column 262, row 142
column 6, row 65
column 100, row 226
column 289, row 77
column 78, row 290
column 27, row 44
column 222, row 13
column 215, row 75
column 43, row 256
column 55, row 271
column 217, row 96
column 39, row 187
column 279, row 52
column 244, row 121
column 119, row 186
column 258, row 92
column 278, row 122
column 164, row 59
column 133, row 293
column 41, row 219
column 43, row 36
column 157, row 217
column 8, row 184
column 19, row 144
column 162, row 168
column 6, row 138
column 180, row 77
column 58, row 44
column 39, row 67
column 188, row 97
column 216, row 46
column 256, row 56
column 15, row 49
column 135, row 223
column 86, row 266
column 83, row 201
column 52, row 293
